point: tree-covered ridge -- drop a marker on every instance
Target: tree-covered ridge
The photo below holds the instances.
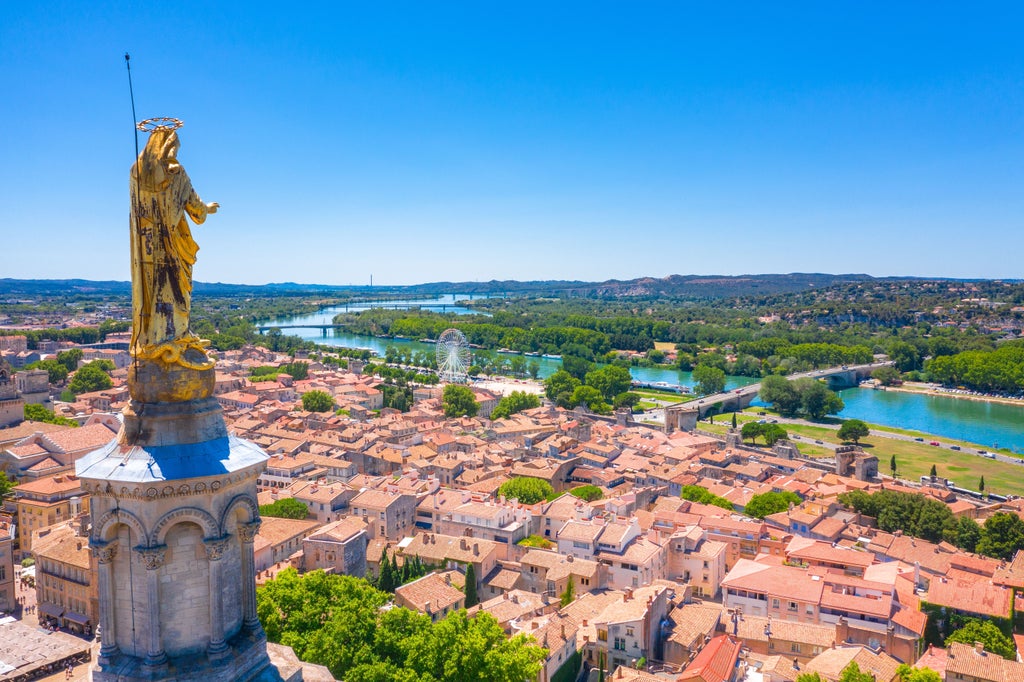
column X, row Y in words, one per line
column 341, row 622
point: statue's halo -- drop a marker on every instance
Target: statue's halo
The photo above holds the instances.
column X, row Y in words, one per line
column 151, row 125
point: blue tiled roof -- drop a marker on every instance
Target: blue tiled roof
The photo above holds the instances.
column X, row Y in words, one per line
column 138, row 464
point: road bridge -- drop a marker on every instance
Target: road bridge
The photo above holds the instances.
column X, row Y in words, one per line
column 322, row 327
column 684, row 416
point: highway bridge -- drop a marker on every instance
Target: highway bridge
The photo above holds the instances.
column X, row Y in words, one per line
column 322, row 327
column 684, row 416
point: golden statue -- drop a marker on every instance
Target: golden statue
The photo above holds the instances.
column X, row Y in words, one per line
column 163, row 251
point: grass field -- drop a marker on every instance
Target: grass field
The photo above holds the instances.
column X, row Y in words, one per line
column 913, row 459
column 667, row 396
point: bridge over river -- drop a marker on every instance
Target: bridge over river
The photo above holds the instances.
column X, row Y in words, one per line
column 684, row 416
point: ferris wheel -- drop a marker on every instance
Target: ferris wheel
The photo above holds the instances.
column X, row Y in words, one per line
column 453, row 356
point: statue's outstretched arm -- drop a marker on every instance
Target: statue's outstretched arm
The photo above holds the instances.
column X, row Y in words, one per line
column 198, row 209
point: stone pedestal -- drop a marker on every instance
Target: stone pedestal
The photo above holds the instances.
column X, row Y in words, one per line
column 174, row 516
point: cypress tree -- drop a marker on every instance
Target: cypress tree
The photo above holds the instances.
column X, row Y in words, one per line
column 734, row 420
column 384, row 576
column 471, row 598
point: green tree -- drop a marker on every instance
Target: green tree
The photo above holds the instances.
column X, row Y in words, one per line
column 773, row 433
column 385, row 576
column 627, row 399
column 569, row 594
column 765, row 504
column 516, row 401
column 981, row 484
column 6, row 486
column 965, row 534
column 852, row 673
column 817, row 399
column 810, row 677
column 38, row 413
column 710, row 380
column 908, row 674
column 471, row 598
column 892, row 465
column 591, row 398
column 854, row 429
column 560, row 386
column 782, row 394
column 932, row 472
column 987, row 633
column 56, row 372
column 610, row 380
column 696, row 493
column 459, row 401
column 751, row 431
column 734, row 420
column 1001, row 536
column 905, row 356
column 70, row 358
column 887, row 376
column 285, row 508
column 526, row 489
column 90, row 378
column 317, row 401
column 587, row 493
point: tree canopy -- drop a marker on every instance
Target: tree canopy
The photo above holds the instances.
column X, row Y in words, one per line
column 337, row 621
column 807, row 396
column 285, row 508
column 696, row 493
column 1001, row 536
column 768, row 503
column 90, row 378
column 317, row 401
column 459, row 401
column 516, row 401
column 38, row 413
column 526, row 489
column 587, row 493
column 987, row 633
column 853, row 429
column 55, row 370
column 710, row 380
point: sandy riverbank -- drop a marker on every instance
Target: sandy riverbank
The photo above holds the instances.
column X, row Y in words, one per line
column 505, row 385
column 932, row 389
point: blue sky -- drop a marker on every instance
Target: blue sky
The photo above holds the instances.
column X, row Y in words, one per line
column 428, row 141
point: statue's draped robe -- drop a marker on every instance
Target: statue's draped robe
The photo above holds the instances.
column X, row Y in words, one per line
column 163, row 253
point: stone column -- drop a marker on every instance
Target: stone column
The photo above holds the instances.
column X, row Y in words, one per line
column 153, row 559
column 215, row 548
column 247, row 533
column 105, row 553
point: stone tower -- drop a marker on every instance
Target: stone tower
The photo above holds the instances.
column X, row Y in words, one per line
column 173, row 497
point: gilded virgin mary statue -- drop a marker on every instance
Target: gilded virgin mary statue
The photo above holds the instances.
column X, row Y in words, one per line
column 163, row 252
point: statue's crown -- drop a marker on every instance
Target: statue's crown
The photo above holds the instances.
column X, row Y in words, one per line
column 151, row 125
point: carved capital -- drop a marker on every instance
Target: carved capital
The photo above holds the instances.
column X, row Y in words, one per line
column 247, row 531
column 215, row 547
column 152, row 557
column 103, row 551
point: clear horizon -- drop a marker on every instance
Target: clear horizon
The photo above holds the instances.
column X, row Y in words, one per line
column 582, row 142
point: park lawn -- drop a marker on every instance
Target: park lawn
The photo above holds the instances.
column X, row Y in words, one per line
column 666, row 396
column 644, row 405
column 913, row 459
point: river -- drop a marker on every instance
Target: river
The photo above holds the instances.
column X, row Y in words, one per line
column 989, row 424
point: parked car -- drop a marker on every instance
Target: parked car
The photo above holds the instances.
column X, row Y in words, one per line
column 819, row 442
column 919, row 440
column 935, row 443
column 954, row 447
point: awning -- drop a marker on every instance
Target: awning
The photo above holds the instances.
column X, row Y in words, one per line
column 76, row 618
column 51, row 609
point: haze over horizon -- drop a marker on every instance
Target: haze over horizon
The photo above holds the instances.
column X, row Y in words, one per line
column 576, row 142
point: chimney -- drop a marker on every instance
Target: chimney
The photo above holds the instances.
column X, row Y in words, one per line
column 463, row 544
column 426, row 608
column 979, row 648
column 533, row 625
column 476, row 549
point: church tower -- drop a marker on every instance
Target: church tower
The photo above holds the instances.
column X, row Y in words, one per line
column 173, row 497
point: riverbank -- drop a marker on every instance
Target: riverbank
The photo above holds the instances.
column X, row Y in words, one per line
column 942, row 392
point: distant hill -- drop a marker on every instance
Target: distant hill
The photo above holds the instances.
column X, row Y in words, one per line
column 685, row 286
